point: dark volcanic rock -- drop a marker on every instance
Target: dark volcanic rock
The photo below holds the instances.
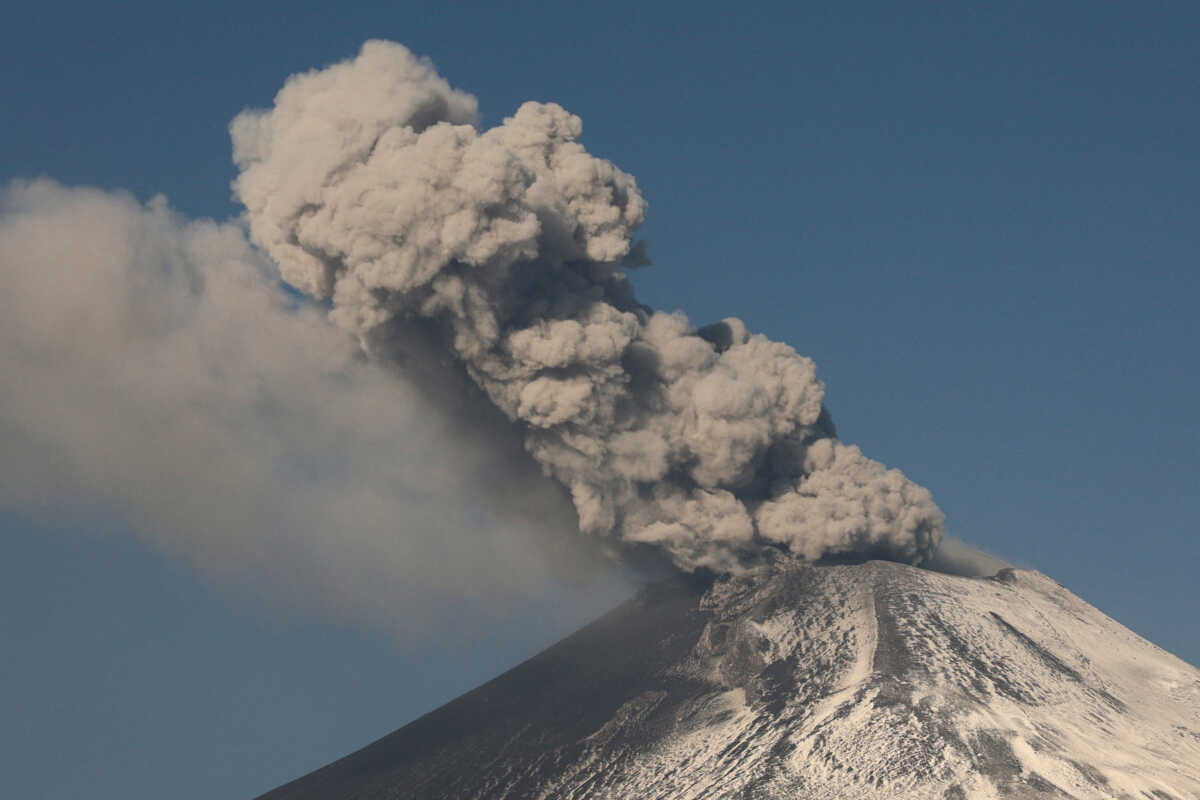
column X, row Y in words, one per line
column 515, row 731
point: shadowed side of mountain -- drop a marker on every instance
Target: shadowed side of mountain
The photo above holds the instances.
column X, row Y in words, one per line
column 514, row 731
column 872, row 681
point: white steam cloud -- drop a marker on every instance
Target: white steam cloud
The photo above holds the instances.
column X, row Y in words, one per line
column 503, row 250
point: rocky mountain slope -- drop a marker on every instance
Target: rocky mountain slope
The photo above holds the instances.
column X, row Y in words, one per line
column 858, row 682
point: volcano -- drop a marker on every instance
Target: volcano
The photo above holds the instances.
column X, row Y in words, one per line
column 847, row 682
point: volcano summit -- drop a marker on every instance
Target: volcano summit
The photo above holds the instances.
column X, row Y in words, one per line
column 854, row 682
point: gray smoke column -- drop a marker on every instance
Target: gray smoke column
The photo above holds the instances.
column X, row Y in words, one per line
column 504, row 250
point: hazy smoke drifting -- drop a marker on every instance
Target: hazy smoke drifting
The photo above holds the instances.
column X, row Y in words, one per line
column 503, row 251
column 153, row 369
column 956, row 557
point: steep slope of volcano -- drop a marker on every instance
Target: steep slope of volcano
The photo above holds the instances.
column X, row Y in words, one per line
column 868, row 681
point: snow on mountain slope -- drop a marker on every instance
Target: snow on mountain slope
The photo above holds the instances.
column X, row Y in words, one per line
column 868, row 681
column 885, row 681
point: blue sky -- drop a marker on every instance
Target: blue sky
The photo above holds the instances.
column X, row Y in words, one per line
column 981, row 224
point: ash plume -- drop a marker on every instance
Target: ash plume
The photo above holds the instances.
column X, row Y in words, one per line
column 501, row 253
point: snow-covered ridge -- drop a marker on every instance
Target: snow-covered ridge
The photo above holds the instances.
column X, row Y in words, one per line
column 860, row 682
column 886, row 681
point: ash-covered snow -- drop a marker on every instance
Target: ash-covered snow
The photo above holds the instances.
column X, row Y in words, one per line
column 857, row 682
column 882, row 681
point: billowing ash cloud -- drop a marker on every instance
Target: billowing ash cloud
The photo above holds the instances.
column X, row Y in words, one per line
column 502, row 251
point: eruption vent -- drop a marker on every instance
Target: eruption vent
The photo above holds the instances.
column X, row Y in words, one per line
column 503, row 251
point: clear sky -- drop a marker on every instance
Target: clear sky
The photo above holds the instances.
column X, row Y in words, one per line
column 981, row 224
